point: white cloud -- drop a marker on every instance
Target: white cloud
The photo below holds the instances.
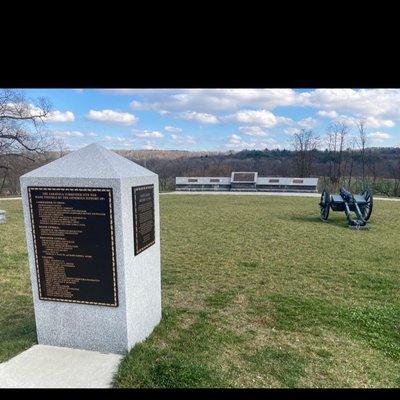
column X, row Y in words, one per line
column 64, row 134
column 112, row 116
column 263, row 118
column 329, row 114
column 190, row 139
column 379, row 103
column 307, row 123
column 352, row 120
column 109, row 138
column 252, row 131
column 208, row 100
column 183, row 140
column 291, row 131
column 148, row 134
column 59, row 116
column 370, row 122
column 77, row 146
column 136, row 105
column 53, row 116
column 383, row 103
column 148, row 146
column 236, row 142
column 117, row 142
column 131, row 91
column 70, row 134
column 379, row 136
column 173, row 129
column 202, row 118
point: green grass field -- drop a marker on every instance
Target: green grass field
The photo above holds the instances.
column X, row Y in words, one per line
column 257, row 292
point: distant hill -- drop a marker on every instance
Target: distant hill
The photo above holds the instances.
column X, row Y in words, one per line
column 164, row 154
column 381, row 165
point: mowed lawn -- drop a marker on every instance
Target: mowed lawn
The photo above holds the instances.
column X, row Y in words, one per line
column 257, row 292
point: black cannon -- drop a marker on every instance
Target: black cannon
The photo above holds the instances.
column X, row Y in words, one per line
column 360, row 204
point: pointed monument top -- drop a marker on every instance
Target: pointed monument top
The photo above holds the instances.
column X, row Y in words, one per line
column 92, row 161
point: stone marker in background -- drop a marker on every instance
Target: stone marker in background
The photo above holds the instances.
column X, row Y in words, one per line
column 92, row 228
column 2, row 217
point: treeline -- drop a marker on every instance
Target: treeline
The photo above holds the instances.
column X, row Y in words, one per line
column 15, row 165
column 382, row 167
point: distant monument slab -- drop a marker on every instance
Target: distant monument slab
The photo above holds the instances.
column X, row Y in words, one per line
column 244, row 181
column 244, row 176
column 2, row 217
column 92, row 288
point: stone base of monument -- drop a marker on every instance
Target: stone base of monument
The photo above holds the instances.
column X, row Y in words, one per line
column 59, row 367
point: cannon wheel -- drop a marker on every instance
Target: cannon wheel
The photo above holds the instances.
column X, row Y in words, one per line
column 367, row 210
column 325, row 204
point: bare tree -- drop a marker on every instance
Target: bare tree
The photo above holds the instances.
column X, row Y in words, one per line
column 372, row 162
column 60, row 146
column 304, row 142
column 22, row 133
column 362, row 137
column 336, row 141
column 395, row 171
column 351, row 150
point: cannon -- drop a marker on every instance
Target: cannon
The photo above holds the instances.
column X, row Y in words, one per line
column 360, row 204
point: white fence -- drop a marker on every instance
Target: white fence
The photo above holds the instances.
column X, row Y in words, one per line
column 259, row 183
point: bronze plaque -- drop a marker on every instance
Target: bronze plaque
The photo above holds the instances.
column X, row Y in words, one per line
column 74, row 244
column 143, row 217
column 244, row 177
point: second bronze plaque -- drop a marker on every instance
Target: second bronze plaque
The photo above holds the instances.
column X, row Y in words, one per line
column 143, row 217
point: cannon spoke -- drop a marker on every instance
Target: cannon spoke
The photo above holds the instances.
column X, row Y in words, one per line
column 324, row 204
column 367, row 210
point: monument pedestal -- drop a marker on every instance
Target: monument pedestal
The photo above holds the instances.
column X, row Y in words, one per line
column 93, row 234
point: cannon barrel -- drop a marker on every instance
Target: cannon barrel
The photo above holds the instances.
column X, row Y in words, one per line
column 345, row 194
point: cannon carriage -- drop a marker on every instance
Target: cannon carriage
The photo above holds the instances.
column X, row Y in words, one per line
column 345, row 201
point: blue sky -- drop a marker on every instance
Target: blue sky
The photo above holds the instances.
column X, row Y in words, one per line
column 215, row 119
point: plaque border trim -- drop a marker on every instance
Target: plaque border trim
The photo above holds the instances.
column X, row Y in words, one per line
column 113, row 251
column 134, row 190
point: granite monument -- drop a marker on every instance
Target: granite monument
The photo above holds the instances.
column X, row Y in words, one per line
column 93, row 233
